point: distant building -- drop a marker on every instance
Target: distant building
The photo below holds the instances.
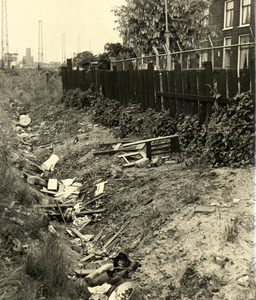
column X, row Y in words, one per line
column 10, row 59
column 28, row 60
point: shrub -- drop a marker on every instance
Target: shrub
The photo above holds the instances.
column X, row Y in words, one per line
column 106, row 111
column 231, row 133
column 77, row 98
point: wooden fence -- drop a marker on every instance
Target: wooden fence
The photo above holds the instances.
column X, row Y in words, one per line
column 182, row 91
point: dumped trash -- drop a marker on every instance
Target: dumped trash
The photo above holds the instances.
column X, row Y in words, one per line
column 50, row 163
column 24, row 120
column 126, row 291
column 142, row 163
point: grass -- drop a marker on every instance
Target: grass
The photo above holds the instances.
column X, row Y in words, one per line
column 231, row 229
column 26, row 90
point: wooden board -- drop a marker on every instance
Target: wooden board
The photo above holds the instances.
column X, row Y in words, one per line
column 150, row 140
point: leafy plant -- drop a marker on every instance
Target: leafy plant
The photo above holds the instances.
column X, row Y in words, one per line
column 231, row 133
column 77, row 98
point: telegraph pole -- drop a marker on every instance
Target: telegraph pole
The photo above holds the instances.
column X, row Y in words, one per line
column 40, row 44
column 5, row 45
column 167, row 37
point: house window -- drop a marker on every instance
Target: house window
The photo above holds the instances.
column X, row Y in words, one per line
column 244, row 51
column 245, row 12
column 227, row 52
column 229, row 14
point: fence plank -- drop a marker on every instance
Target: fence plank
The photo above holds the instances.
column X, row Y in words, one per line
column 141, row 74
column 166, row 104
column 178, row 88
column 221, row 82
column 209, row 85
column 115, row 82
column 244, row 80
column 146, row 81
column 127, row 88
column 136, row 86
column 64, row 79
column 201, row 91
column 232, row 83
column 186, row 90
column 252, row 76
column 151, row 86
column 131, row 78
column 193, row 91
column 119, row 86
column 157, row 89
column 171, row 89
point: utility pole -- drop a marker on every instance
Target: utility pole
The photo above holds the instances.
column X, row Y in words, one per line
column 79, row 44
column 40, row 44
column 5, row 45
column 167, row 38
column 63, row 49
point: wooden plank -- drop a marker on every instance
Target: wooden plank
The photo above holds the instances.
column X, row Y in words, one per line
column 146, row 84
column 201, row 91
column 142, row 89
column 193, row 97
column 178, row 88
column 166, row 104
column 175, row 145
column 131, row 83
column 232, row 83
column 60, row 211
column 83, row 271
column 127, row 87
column 193, row 91
column 157, row 88
column 79, row 234
column 116, row 96
column 119, row 86
column 186, row 90
column 221, row 82
column 115, row 236
column 151, row 86
column 209, row 85
column 106, row 85
column 148, row 150
column 53, row 205
column 136, row 86
column 150, row 140
column 153, row 150
column 171, row 89
column 244, row 80
column 69, row 79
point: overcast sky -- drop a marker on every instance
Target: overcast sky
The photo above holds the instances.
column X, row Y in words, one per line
column 92, row 20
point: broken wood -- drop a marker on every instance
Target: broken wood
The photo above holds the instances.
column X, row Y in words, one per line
column 29, row 161
column 115, row 236
column 79, row 234
column 97, row 211
column 150, row 140
column 95, row 199
column 87, row 257
column 89, row 278
column 100, row 188
column 83, row 271
column 53, row 205
column 85, row 224
column 60, row 211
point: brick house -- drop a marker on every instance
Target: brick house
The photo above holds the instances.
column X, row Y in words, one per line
column 235, row 20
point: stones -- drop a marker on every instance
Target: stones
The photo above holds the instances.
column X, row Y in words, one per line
column 142, row 163
column 244, row 281
column 156, row 161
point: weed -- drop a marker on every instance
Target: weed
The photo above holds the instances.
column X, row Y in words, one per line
column 231, row 230
column 189, row 192
column 48, row 266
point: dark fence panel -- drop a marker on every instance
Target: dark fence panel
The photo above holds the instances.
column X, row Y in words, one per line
column 182, row 91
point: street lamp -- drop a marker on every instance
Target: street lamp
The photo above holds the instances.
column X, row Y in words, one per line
column 167, row 38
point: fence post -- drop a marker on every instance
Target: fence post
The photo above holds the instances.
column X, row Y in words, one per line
column 209, row 84
column 151, row 86
column 252, row 71
column 69, row 64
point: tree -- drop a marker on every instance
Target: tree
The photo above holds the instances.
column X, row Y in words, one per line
column 118, row 51
column 141, row 23
column 83, row 59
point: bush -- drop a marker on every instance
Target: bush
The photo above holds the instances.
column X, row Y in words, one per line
column 77, row 98
column 231, row 133
column 106, row 111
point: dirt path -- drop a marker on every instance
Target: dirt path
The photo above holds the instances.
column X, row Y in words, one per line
column 191, row 229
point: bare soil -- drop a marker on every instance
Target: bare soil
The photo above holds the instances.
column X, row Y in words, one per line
column 191, row 228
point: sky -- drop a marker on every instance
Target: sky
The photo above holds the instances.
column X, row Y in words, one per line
column 91, row 20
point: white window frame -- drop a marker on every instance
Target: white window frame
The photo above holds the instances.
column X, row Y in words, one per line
column 224, row 50
column 241, row 14
column 239, row 51
column 225, row 14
